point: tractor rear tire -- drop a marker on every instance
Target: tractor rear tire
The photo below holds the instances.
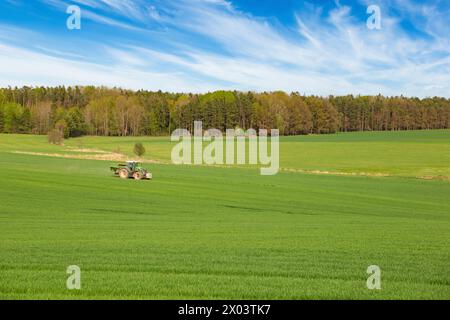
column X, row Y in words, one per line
column 123, row 173
column 137, row 176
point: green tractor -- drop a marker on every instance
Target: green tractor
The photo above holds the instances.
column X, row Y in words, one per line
column 131, row 169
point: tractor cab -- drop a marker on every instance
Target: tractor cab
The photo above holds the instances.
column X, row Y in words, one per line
column 132, row 165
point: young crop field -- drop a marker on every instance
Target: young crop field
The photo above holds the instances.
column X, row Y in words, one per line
column 340, row 204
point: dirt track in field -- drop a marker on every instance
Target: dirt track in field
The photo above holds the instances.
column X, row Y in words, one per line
column 94, row 154
column 105, row 156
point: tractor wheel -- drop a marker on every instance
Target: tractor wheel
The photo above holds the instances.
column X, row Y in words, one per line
column 123, row 173
column 137, row 176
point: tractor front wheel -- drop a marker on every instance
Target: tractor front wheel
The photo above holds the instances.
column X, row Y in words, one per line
column 137, row 176
column 123, row 174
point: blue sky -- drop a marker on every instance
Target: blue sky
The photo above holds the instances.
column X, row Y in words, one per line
column 317, row 47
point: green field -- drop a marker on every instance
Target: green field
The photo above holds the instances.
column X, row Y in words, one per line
column 228, row 233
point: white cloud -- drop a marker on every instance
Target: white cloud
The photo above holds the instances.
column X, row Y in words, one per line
column 336, row 55
column 123, row 57
column 23, row 67
column 340, row 55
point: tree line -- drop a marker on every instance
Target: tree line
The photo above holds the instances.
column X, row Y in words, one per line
column 77, row 111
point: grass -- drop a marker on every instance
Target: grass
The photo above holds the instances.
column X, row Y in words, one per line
column 413, row 153
column 400, row 153
column 206, row 232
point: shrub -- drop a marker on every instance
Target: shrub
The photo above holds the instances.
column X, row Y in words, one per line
column 139, row 149
column 55, row 136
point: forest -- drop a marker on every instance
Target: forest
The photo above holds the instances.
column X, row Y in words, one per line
column 77, row 111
